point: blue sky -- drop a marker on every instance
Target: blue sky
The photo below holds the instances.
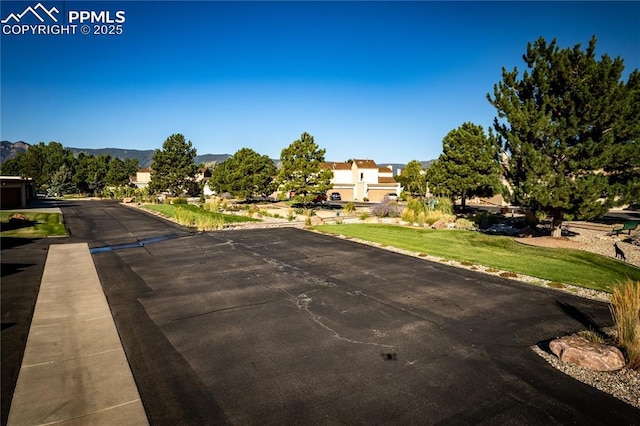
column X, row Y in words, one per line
column 379, row 80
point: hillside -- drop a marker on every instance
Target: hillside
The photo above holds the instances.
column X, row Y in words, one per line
column 144, row 157
column 11, row 149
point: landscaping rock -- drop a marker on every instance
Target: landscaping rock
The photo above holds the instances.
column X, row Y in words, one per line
column 594, row 356
column 315, row 220
column 18, row 217
column 440, row 224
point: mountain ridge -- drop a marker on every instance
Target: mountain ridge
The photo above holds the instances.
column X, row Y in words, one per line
column 9, row 150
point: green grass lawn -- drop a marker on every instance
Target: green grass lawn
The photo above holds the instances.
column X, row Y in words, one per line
column 40, row 225
column 563, row 265
column 171, row 210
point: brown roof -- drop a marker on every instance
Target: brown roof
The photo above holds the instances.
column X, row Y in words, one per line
column 383, row 179
column 336, row 166
column 366, row 164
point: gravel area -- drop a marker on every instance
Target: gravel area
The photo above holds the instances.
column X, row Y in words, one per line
column 597, row 242
column 623, row 384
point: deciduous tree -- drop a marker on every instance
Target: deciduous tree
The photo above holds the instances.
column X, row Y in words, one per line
column 413, row 179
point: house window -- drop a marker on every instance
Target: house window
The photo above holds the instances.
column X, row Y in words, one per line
column 361, row 177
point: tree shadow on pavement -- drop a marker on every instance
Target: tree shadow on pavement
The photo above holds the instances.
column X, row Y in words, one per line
column 582, row 318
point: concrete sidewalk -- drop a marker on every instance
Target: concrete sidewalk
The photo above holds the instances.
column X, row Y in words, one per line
column 74, row 369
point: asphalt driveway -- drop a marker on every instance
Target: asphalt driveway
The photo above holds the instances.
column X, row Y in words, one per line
column 285, row 326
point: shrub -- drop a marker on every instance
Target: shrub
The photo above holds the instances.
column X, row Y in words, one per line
column 592, row 336
column 434, row 216
column 444, row 205
column 386, row 208
column 466, row 224
column 485, row 219
column 416, row 206
column 349, row 208
column 408, row 215
column 364, row 216
column 422, row 218
column 625, row 310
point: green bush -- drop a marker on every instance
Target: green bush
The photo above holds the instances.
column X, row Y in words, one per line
column 444, row 205
column 485, row 219
column 422, row 218
column 349, row 208
column 416, row 206
column 408, row 215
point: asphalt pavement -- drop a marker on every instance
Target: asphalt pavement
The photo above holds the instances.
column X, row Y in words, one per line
column 288, row 326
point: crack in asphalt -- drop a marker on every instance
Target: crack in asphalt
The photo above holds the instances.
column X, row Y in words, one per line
column 230, row 308
column 303, row 301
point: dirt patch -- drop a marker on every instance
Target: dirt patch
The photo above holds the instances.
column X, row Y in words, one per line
column 547, row 241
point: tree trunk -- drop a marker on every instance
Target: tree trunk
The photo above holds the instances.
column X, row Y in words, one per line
column 556, row 225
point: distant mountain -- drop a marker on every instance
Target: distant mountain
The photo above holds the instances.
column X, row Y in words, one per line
column 11, row 149
column 144, row 157
column 208, row 158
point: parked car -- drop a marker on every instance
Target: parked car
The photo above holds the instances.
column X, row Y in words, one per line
column 319, row 199
column 392, row 196
column 335, row 196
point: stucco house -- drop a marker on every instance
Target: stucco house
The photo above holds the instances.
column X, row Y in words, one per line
column 362, row 179
column 142, row 178
column 203, row 176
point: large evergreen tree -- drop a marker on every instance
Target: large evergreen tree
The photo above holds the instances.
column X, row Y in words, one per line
column 570, row 126
column 245, row 174
column 301, row 170
column 469, row 164
column 173, row 166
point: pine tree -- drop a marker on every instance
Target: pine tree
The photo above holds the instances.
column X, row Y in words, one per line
column 301, row 170
column 570, row 127
column 173, row 166
column 469, row 164
column 245, row 174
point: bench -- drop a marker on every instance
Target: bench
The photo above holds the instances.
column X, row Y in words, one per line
column 629, row 226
